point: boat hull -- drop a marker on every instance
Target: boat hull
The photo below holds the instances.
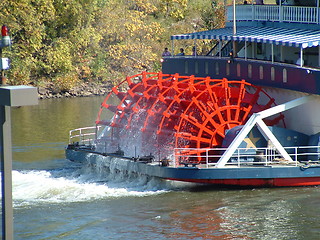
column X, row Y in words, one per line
column 251, row 176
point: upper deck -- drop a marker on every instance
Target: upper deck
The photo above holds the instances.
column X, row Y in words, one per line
column 275, row 13
column 268, row 43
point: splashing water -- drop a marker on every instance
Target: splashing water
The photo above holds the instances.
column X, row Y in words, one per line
column 84, row 184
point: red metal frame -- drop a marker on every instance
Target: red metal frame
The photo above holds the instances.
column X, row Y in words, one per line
column 182, row 111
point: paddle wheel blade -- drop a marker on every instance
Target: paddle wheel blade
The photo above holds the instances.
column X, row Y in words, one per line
column 154, row 113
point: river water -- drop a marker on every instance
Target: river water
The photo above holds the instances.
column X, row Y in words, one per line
column 58, row 199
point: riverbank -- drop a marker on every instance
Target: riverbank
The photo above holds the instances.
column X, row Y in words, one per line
column 81, row 90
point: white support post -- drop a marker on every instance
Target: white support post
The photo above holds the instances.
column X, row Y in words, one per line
column 245, row 50
column 237, row 141
column 234, row 19
column 172, row 50
column 285, row 106
column 268, row 135
column 317, row 20
column 253, row 46
column 280, row 11
column 301, row 57
column 256, row 118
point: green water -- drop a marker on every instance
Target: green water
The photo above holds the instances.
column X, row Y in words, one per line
column 42, row 131
column 57, row 199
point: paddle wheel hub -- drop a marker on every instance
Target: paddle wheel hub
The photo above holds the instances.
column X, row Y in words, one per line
column 155, row 112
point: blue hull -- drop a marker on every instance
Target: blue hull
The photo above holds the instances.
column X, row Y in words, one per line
column 250, row 176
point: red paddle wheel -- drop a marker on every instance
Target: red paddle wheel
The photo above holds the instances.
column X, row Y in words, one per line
column 160, row 111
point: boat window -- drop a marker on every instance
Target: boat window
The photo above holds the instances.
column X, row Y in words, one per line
column 206, row 67
column 186, row 67
column 238, row 70
column 250, row 71
column 217, row 68
column 284, row 75
column 228, row 69
column 261, row 72
column 196, row 67
column 272, row 74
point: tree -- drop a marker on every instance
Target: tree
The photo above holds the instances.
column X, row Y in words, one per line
column 62, row 42
column 173, row 8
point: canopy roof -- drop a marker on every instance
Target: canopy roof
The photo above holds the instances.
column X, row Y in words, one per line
column 300, row 38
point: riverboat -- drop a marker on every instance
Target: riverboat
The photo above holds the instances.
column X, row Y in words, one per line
column 245, row 114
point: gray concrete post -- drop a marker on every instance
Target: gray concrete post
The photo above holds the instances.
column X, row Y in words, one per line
column 10, row 96
column 6, row 172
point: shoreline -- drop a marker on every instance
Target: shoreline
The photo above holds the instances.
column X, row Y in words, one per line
column 81, row 90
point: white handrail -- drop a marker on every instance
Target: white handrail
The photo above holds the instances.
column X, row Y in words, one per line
column 244, row 156
column 83, row 135
column 274, row 13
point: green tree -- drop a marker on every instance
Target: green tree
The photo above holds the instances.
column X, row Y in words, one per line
column 62, row 42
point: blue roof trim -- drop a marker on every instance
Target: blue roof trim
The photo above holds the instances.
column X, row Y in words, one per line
column 300, row 38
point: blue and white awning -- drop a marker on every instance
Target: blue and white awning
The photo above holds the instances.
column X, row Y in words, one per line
column 299, row 38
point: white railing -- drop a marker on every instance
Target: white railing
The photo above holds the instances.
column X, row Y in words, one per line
column 244, row 156
column 274, row 13
column 84, row 135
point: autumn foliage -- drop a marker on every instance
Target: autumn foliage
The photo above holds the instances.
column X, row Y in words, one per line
column 65, row 42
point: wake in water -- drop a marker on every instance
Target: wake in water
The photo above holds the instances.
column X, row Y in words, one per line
column 86, row 183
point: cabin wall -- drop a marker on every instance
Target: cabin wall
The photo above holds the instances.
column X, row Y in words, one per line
column 311, row 56
column 262, row 51
column 264, row 73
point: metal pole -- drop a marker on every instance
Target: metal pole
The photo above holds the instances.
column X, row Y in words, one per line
column 317, row 20
column 172, row 46
column 1, row 68
column 301, row 57
column 9, row 96
column 245, row 50
column 280, row 11
column 6, row 172
column 2, row 77
column 234, row 18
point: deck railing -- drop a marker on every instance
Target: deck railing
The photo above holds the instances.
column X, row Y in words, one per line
column 274, row 13
column 243, row 156
column 208, row 157
column 84, row 135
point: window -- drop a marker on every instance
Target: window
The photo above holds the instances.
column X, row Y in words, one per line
column 284, row 75
column 228, row 69
column 250, row 71
column 206, row 68
column 217, row 68
column 261, row 72
column 273, row 75
column 196, row 67
column 238, row 70
column 186, row 67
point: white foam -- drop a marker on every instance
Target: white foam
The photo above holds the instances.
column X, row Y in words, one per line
column 31, row 187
